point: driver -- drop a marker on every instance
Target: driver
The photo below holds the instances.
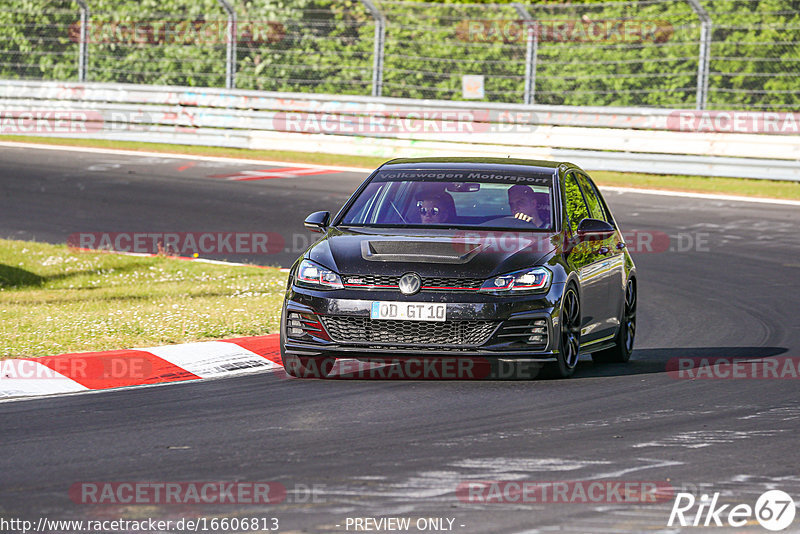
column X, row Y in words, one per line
column 522, row 201
column 436, row 208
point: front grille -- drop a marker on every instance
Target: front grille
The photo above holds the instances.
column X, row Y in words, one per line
column 431, row 283
column 365, row 330
column 370, row 280
column 451, row 283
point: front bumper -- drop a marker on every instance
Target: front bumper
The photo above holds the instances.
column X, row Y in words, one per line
column 478, row 325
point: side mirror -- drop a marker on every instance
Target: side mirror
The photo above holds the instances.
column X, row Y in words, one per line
column 317, row 221
column 594, row 230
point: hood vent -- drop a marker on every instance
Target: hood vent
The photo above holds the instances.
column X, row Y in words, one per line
column 428, row 251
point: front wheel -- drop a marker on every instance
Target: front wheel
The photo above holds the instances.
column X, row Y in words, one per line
column 570, row 336
column 623, row 347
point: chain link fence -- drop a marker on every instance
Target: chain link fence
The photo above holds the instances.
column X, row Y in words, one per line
column 720, row 54
column 35, row 42
column 754, row 55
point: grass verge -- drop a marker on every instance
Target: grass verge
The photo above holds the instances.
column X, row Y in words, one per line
column 700, row 184
column 55, row 300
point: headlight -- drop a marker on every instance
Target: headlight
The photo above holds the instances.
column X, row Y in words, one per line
column 309, row 274
column 535, row 280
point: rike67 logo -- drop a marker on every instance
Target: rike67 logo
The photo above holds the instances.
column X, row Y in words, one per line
column 774, row 510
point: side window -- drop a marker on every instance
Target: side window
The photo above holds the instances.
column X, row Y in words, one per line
column 576, row 207
column 595, row 207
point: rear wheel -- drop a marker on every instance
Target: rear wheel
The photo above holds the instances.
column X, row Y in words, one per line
column 623, row 347
column 570, row 336
column 303, row 366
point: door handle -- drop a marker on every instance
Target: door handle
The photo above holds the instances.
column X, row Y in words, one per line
column 602, row 250
column 621, row 245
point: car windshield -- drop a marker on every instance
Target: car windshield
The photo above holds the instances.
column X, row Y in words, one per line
column 458, row 198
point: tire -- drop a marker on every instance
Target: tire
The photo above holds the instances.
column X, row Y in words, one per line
column 570, row 336
column 303, row 366
column 626, row 334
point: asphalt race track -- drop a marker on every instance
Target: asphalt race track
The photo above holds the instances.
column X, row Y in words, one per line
column 727, row 286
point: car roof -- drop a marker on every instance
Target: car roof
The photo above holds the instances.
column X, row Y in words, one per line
column 497, row 164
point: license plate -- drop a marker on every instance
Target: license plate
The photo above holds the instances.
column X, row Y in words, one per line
column 408, row 311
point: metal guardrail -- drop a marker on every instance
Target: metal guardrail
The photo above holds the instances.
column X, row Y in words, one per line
column 620, row 139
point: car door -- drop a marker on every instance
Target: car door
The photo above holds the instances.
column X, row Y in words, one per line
column 589, row 265
column 613, row 258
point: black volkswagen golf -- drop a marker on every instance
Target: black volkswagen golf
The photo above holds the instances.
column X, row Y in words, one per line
column 499, row 259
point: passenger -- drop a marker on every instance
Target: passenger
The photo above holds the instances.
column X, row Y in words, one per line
column 522, row 201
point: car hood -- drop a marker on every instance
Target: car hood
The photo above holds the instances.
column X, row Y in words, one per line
column 455, row 253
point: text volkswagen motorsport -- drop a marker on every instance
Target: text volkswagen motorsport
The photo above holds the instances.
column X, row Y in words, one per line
column 463, row 257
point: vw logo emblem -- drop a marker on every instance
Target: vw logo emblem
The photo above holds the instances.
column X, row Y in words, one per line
column 410, row 283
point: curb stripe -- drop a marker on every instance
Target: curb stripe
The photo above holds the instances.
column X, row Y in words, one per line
column 51, row 382
column 211, row 359
column 91, row 371
column 266, row 346
column 115, row 368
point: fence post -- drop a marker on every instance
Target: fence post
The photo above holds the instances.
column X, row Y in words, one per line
column 378, row 51
column 705, row 53
column 230, row 52
column 531, row 52
column 83, row 46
